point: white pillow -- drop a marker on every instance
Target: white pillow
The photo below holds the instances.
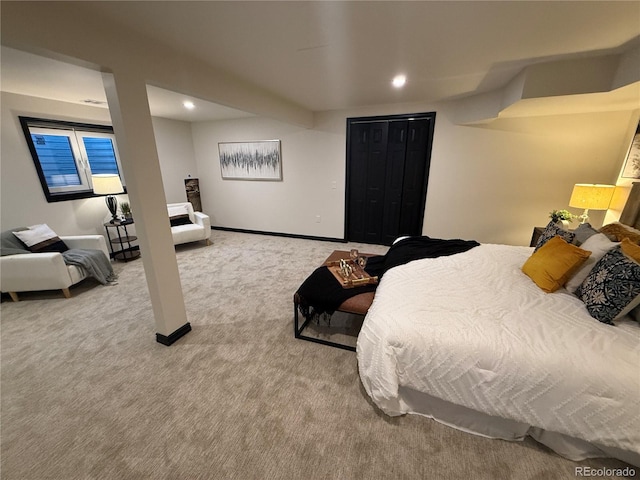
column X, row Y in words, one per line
column 598, row 245
column 176, row 210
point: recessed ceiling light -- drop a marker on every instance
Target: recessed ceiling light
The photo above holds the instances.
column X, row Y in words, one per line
column 399, row 81
column 189, row 105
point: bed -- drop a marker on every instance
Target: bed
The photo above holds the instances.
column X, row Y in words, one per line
column 472, row 342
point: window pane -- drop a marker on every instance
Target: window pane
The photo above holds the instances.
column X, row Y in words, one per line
column 101, row 155
column 56, row 160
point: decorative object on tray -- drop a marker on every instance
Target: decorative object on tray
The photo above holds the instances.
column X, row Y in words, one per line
column 562, row 217
column 250, row 160
column 350, row 273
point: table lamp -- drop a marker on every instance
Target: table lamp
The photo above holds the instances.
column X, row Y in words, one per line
column 591, row 196
column 108, row 184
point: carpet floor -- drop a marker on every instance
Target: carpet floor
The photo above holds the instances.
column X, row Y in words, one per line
column 87, row 392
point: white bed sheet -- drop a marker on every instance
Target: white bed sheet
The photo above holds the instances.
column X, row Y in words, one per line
column 471, row 329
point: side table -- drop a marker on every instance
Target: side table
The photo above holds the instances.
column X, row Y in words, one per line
column 537, row 231
column 121, row 243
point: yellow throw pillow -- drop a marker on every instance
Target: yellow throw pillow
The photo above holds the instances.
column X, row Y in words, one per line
column 630, row 249
column 553, row 264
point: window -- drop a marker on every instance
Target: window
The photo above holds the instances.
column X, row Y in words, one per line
column 66, row 154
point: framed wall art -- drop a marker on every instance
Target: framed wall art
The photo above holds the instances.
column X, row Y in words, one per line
column 632, row 163
column 250, row 160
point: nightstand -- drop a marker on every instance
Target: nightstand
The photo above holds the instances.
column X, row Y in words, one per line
column 537, row 231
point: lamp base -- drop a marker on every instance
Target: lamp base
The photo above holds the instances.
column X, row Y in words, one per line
column 112, row 205
column 585, row 216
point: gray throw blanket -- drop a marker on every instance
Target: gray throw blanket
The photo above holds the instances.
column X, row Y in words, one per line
column 94, row 262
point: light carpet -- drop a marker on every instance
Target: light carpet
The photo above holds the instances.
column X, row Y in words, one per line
column 87, row 392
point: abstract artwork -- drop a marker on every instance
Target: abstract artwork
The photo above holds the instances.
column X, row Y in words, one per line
column 632, row 164
column 250, row 160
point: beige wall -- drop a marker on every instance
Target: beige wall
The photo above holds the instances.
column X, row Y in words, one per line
column 492, row 183
column 311, row 160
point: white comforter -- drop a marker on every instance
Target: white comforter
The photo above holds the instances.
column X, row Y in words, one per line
column 473, row 330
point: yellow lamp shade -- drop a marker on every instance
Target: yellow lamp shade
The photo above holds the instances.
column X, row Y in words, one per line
column 591, row 196
column 106, row 183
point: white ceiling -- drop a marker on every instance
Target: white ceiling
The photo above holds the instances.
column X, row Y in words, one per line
column 335, row 54
column 28, row 74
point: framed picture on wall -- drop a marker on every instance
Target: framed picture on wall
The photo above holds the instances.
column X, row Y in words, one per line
column 250, row 160
column 632, row 163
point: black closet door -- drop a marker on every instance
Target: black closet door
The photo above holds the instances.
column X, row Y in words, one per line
column 387, row 171
column 367, row 169
column 416, row 171
column 396, row 151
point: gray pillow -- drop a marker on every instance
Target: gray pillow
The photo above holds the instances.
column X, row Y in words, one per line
column 10, row 245
column 598, row 245
column 583, row 232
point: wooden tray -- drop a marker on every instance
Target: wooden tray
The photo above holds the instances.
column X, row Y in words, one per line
column 358, row 277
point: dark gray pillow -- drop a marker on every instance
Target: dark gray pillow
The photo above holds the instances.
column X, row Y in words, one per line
column 583, row 232
column 10, row 245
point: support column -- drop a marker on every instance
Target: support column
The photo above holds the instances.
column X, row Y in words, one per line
column 128, row 104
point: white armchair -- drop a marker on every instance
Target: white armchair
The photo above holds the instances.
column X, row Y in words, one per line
column 197, row 228
column 46, row 271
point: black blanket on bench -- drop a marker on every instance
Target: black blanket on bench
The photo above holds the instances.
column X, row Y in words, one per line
column 321, row 293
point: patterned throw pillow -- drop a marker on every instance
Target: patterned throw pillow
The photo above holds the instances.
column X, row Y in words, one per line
column 40, row 238
column 598, row 245
column 612, row 288
column 553, row 230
